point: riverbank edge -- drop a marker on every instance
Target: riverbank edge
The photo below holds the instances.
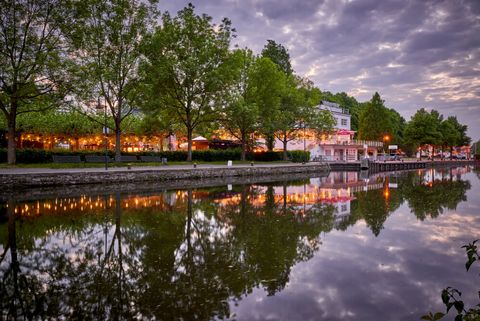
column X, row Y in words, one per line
column 16, row 181
column 151, row 188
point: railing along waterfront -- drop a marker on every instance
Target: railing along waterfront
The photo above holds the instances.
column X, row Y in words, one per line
column 353, row 142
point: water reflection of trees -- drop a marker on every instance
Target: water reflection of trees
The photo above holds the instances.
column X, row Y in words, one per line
column 428, row 194
column 187, row 262
column 429, row 197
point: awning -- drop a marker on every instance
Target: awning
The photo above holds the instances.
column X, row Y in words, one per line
column 345, row 132
column 200, row 139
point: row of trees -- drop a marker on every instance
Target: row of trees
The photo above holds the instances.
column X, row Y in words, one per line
column 431, row 128
column 375, row 121
column 181, row 72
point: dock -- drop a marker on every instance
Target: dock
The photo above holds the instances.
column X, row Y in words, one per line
column 387, row 166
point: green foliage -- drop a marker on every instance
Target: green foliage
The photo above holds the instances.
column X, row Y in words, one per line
column 398, row 124
column 241, row 114
column 187, row 68
column 268, row 81
column 105, row 46
column 279, row 55
column 375, row 120
column 35, row 156
column 32, row 59
column 423, row 129
column 451, row 297
column 298, row 156
column 430, row 128
column 53, row 122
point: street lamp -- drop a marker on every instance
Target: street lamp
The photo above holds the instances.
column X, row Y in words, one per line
column 105, row 137
column 386, row 138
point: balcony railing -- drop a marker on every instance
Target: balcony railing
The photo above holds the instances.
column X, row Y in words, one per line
column 353, row 142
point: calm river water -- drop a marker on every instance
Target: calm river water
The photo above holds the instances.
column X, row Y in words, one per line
column 342, row 247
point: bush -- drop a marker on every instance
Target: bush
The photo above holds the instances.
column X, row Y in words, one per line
column 35, row 156
column 477, row 157
column 298, row 156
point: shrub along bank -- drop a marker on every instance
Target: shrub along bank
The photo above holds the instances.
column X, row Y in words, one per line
column 35, row 156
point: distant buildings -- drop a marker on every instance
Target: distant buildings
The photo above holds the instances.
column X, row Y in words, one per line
column 338, row 145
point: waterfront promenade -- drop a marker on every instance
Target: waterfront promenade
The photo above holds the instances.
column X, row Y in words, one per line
column 38, row 177
column 13, row 178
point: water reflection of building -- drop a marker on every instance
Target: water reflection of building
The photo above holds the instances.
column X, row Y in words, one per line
column 335, row 190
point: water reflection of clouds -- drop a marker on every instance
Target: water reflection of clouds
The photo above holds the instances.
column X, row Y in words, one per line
column 416, row 259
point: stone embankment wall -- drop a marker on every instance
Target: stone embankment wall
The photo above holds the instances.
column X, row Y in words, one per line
column 9, row 181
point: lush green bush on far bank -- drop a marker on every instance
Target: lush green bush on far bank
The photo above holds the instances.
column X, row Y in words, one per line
column 36, row 156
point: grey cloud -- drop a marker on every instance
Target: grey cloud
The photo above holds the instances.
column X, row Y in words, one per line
column 352, row 44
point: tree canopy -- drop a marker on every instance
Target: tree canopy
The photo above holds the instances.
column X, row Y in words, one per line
column 375, row 120
column 32, row 60
column 186, row 67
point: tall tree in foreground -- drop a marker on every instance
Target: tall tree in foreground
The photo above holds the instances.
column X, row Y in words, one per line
column 269, row 83
column 279, row 55
column 187, row 67
column 374, row 121
column 241, row 113
column 106, row 48
column 31, row 72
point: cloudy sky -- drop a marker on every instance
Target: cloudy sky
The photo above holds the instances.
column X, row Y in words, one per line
column 414, row 53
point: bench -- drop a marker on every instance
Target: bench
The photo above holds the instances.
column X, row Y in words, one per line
column 66, row 159
column 97, row 159
column 128, row 158
column 151, row 159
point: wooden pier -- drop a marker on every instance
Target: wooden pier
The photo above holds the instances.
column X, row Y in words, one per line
column 387, row 166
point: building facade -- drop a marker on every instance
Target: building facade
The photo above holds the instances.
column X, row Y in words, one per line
column 339, row 145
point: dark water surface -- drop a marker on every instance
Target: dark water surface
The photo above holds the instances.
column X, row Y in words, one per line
column 342, row 247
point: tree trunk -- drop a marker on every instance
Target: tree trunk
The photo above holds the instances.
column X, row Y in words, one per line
column 243, row 201
column 189, row 138
column 242, row 158
column 12, row 143
column 270, row 142
column 118, row 149
column 285, row 142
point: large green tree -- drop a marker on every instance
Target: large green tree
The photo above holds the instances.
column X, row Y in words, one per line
column 269, row 83
column 279, row 55
column 32, row 70
column 423, row 128
column 105, row 45
column 453, row 134
column 187, row 67
column 241, row 113
column 374, row 120
column 298, row 111
column 288, row 121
